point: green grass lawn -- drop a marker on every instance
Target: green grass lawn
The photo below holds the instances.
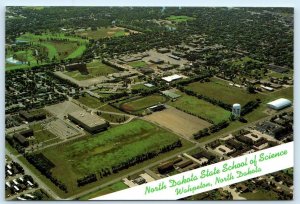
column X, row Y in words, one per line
column 90, row 101
column 142, row 103
column 137, row 64
column 96, row 68
column 114, row 118
column 110, row 108
column 109, row 189
column 221, row 90
column 260, row 194
column 41, row 134
column 179, row 18
column 75, row 159
column 58, row 45
column 255, row 114
column 119, row 33
column 200, row 107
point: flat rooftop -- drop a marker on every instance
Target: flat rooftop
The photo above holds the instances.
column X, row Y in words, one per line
column 172, row 77
column 87, row 118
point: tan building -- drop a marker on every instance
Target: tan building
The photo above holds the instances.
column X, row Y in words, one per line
column 90, row 122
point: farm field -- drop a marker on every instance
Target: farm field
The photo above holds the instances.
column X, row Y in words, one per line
column 103, row 33
column 95, row 68
column 76, row 159
column 200, row 108
column 143, row 103
column 230, row 94
column 173, row 119
column 179, row 18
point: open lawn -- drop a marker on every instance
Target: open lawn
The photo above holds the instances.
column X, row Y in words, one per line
column 137, row 64
column 41, row 134
column 114, row 118
column 180, row 18
column 200, row 108
column 95, row 68
column 87, row 155
column 102, row 33
column 109, row 189
column 110, row 108
column 143, row 103
column 260, row 194
column 90, row 101
column 221, row 90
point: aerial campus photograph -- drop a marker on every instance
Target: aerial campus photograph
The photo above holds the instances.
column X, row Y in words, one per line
column 101, row 99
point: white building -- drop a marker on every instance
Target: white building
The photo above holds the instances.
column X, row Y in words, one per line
column 279, row 104
column 172, row 77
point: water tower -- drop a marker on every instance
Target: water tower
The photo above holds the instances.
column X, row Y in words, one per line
column 236, row 110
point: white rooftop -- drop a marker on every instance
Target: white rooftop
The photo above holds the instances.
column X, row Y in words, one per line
column 280, row 103
column 172, row 77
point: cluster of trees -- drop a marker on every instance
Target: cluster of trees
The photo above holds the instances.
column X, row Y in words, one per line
column 15, row 144
column 114, row 65
column 145, row 92
column 114, row 96
column 86, row 180
column 212, row 129
column 250, row 106
column 44, row 165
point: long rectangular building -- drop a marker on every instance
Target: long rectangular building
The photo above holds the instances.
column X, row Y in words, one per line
column 90, row 122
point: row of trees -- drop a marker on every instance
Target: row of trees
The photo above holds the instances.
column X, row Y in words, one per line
column 41, row 163
column 212, row 129
column 86, row 180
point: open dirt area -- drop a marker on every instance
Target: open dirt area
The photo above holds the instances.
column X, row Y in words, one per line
column 178, row 121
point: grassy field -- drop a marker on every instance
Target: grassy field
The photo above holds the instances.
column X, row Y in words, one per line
column 57, row 45
column 260, row 194
column 142, row 103
column 109, row 189
column 95, row 68
column 41, row 134
column 90, row 101
column 114, row 118
column 102, row 33
column 200, row 108
column 178, row 19
column 221, row 90
column 255, row 115
column 110, row 108
column 76, row 159
column 137, row 64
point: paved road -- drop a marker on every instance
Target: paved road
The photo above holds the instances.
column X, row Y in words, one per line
column 35, row 178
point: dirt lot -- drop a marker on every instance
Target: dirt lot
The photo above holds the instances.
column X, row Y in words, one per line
column 178, row 121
